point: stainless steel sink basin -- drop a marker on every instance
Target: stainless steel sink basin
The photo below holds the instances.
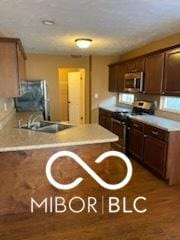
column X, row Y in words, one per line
column 45, row 126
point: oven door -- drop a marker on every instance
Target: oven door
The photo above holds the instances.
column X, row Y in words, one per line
column 119, row 129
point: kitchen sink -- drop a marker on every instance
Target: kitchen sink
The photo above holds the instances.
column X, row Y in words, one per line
column 45, row 126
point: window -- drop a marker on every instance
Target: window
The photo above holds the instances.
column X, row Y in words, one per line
column 126, row 98
column 170, row 104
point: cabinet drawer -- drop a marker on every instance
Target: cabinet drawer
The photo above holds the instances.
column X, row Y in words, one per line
column 137, row 125
column 156, row 132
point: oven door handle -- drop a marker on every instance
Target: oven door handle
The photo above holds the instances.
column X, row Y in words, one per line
column 118, row 122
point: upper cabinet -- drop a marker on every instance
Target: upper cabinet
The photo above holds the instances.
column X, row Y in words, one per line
column 116, row 77
column 112, row 79
column 154, row 69
column 161, row 71
column 136, row 65
column 12, row 67
column 172, row 72
column 122, row 69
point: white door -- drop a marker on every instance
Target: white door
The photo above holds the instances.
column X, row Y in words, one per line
column 76, row 97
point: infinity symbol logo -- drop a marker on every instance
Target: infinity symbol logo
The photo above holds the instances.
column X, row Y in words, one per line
column 83, row 164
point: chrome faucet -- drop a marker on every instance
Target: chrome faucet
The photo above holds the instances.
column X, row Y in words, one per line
column 31, row 120
column 37, row 117
column 19, row 123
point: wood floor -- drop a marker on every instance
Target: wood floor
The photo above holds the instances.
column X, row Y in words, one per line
column 160, row 222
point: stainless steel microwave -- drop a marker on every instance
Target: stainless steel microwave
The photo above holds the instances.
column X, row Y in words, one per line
column 133, row 82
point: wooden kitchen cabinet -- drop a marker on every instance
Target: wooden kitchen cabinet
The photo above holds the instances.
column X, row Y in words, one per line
column 172, row 72
column 135, row 143
column 148, row 145
column 154, row 69
column 116, row 77
column 161, row 70
column 113, row 84
column 122, row 69
column 102, row 120
column 105, row 118
column 155, row 154
column 12, row 67
column 21, row 64
column 136, row 65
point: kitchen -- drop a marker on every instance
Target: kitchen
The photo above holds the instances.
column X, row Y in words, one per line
column 131, row 104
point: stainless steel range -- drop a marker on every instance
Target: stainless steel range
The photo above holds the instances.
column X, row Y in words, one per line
column 120, row 121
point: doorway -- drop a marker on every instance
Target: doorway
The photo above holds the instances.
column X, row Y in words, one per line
column 72, row 95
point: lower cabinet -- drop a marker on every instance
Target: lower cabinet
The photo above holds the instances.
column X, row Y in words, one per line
column 105, row 118
column 148, row 146
column 155, row 154
column 155, row 148
column 135, row 142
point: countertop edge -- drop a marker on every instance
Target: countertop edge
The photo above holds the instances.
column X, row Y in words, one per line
column 155, row 125
column 54, row 145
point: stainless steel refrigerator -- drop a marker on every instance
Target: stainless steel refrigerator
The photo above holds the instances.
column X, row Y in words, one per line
column 34, row 98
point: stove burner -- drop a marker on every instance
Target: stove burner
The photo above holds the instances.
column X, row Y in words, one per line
column 121, row 116
column 124, row 116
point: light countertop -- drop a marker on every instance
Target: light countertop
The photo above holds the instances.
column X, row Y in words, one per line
column 159, row 122
column 114, row 108
column 14, row 139
column 153, row 120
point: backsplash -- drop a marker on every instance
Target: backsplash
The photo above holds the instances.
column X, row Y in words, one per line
column 6, row 107
column 156, row 100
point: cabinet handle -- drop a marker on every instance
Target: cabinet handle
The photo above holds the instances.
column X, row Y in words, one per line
column 155, row 133
column 145, row 136
column 135, row 125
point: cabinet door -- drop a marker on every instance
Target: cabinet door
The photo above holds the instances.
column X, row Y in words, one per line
column 154, row 68
column 112, row 79
column 108, row 123
column 21, row 65
column 9, row 82
column 135, row 143
column 172, row 72
column 121, row 70
column 155, row 153
column 105, row 118
column 140, row 64
column 136, row 65
column 102, row 120
column 131, row 66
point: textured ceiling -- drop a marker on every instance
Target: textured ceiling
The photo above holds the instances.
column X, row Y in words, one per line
column 115, row 26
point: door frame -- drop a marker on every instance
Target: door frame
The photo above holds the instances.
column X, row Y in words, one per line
column 87, row 88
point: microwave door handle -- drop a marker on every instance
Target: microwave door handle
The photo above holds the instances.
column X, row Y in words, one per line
column 141, row 82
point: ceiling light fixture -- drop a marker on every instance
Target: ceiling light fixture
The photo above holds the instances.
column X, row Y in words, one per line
column 48, row 22
column 83, row 42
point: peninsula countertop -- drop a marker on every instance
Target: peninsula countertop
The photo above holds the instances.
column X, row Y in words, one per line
column 15, row 139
